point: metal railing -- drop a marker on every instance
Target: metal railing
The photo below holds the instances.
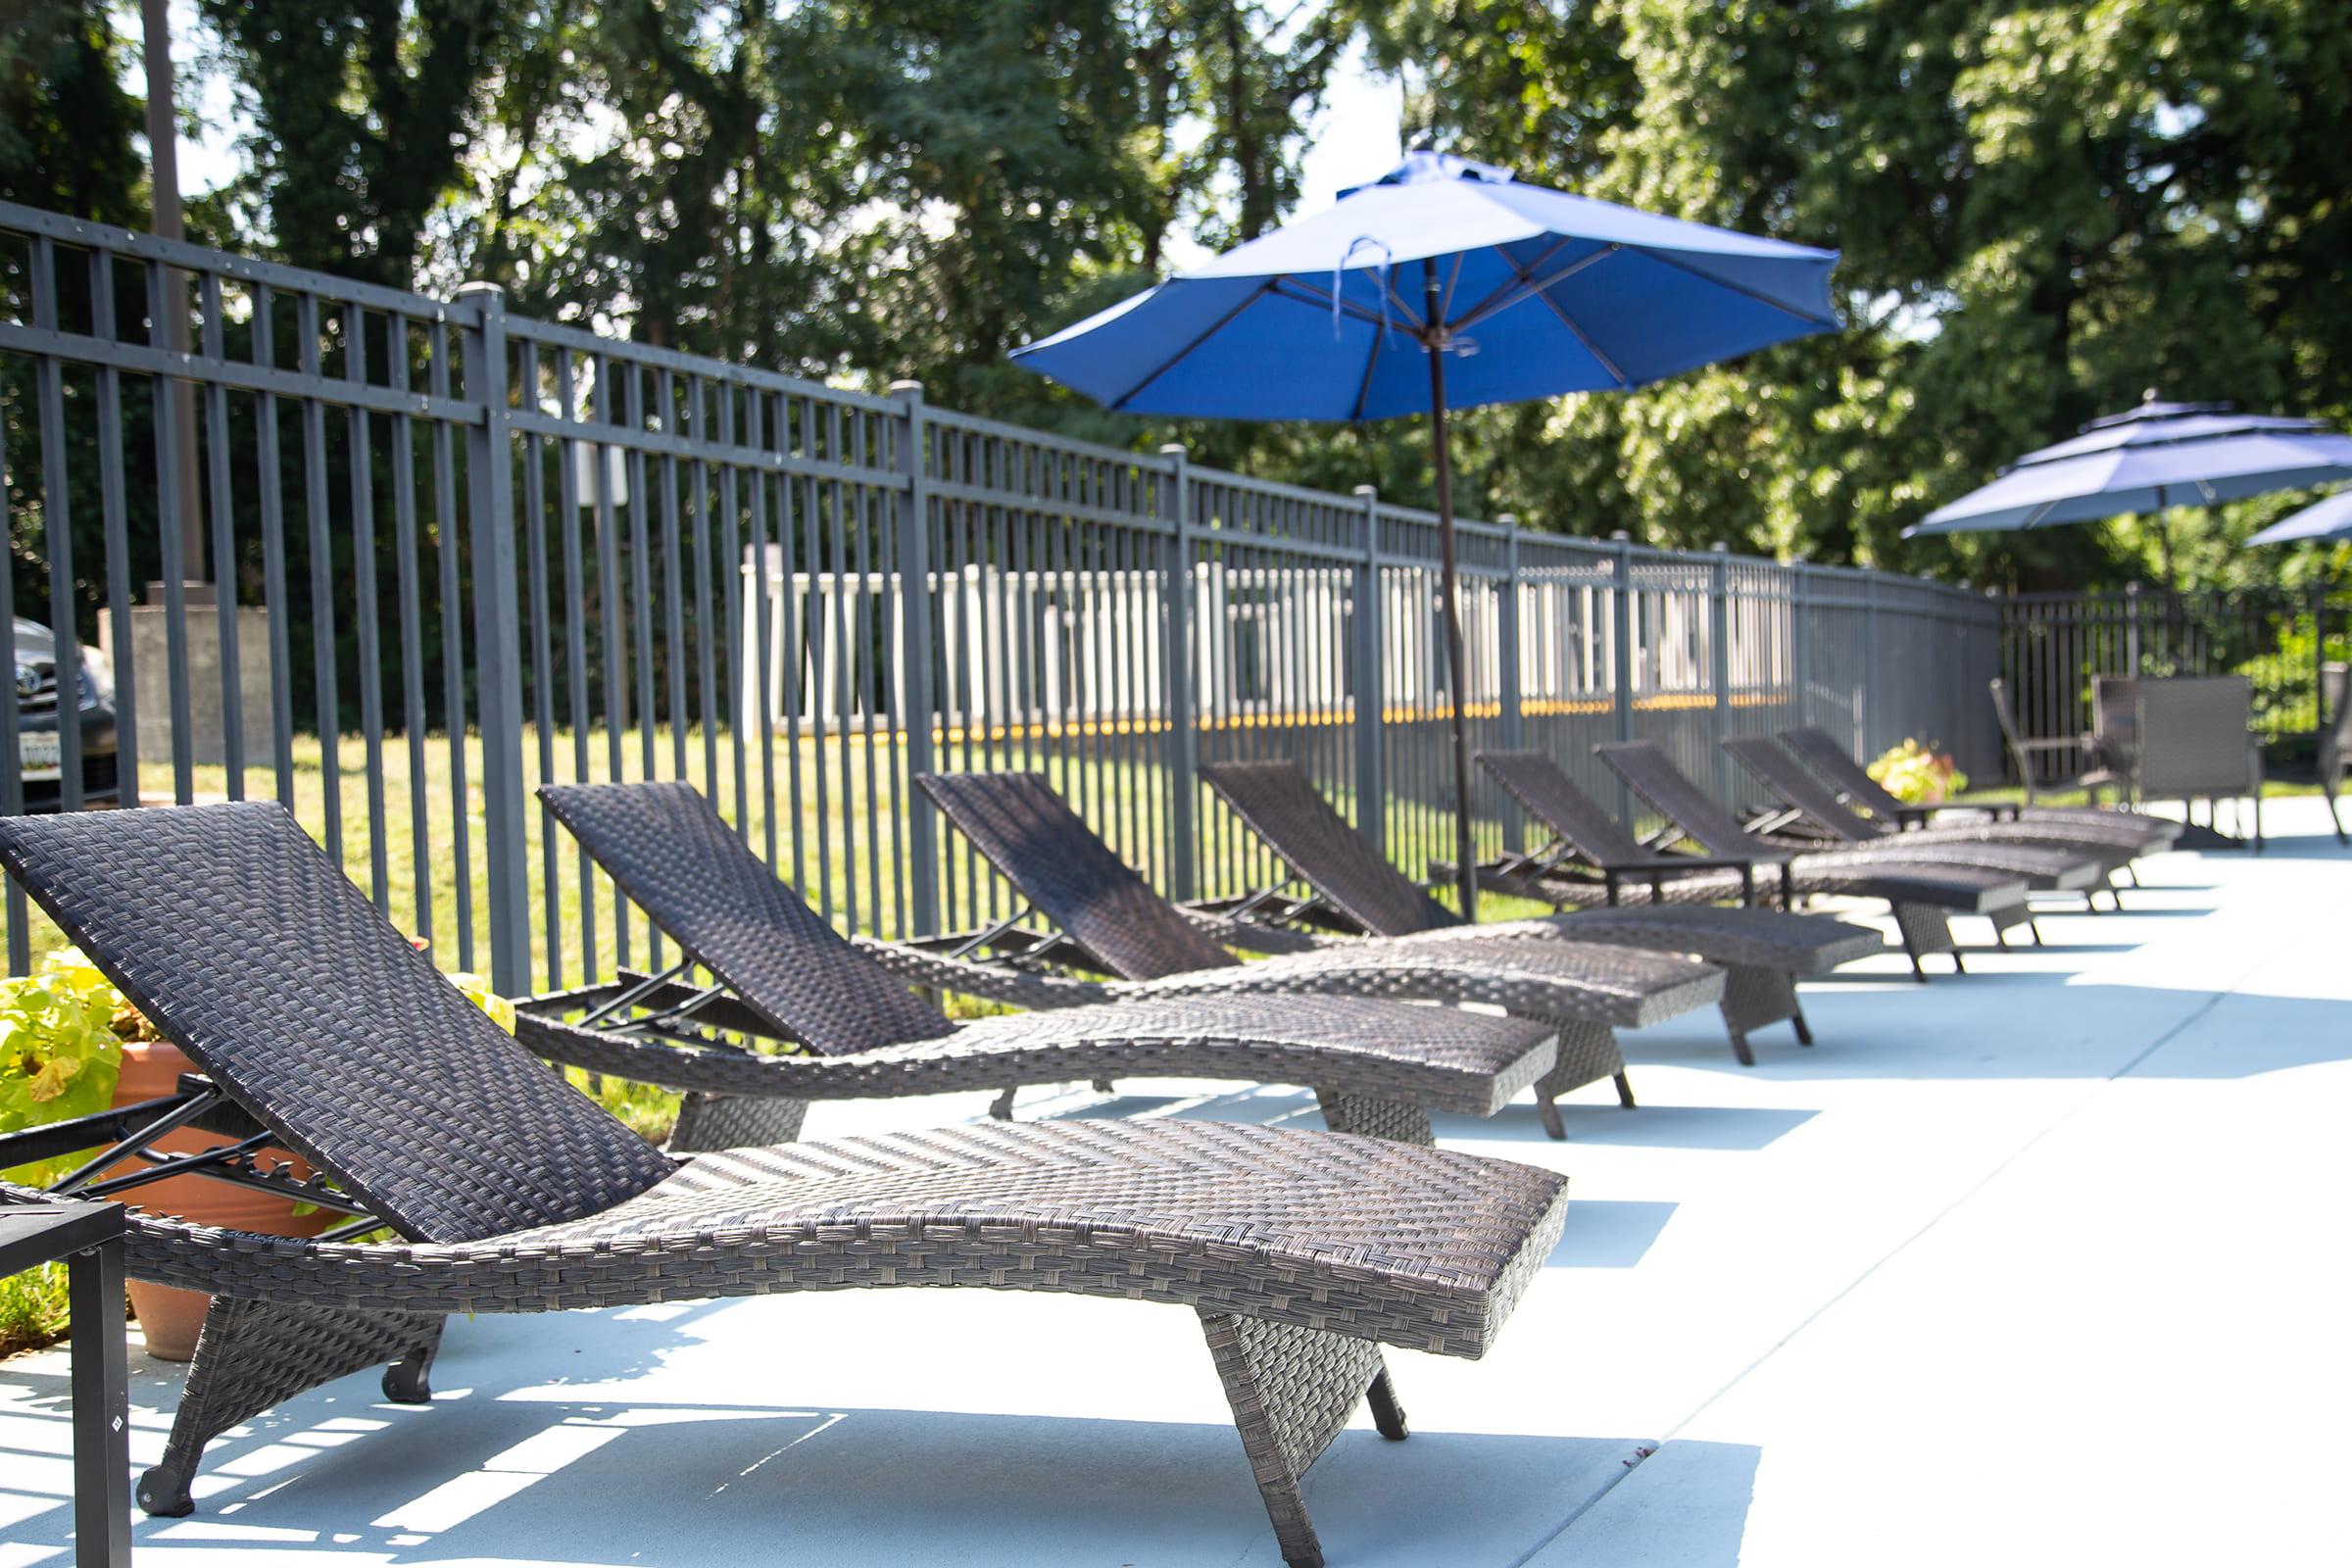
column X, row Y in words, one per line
column 2054, row 647
column 458, row 552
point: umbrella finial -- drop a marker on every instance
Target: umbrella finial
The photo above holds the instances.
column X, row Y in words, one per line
column 2149, row 396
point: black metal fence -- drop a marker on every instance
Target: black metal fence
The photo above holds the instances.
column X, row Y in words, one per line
column 454, row 552
column 2054, row 646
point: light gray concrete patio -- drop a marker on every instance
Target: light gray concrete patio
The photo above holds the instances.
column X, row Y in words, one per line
column 2047, row 1264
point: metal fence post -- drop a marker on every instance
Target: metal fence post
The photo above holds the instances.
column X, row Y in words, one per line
column 915, row 693
column 497, row 635
column 1873, row 740
column 1507, row 638
column 2130, row 628
column 1182, row 749
column 1719, row 658
column 1621, row 659
column 1800, row 644
column 1371, row 789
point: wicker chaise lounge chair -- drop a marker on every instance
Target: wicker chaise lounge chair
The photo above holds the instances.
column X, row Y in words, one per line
column 1104, row 916
column 1358, row 889
column 681, row 863
column 1922, row 896
column 1302, row 1253
column 2335, row 739
column 1377, row 1066
column 1818, row 750
column 1811, row 817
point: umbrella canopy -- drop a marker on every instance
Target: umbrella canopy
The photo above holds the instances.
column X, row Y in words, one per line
column 1445, row 284
column 1537, row 293
column 2157, row 456
column 2331, row 519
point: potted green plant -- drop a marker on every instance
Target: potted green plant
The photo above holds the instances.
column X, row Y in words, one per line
column 1917, row 775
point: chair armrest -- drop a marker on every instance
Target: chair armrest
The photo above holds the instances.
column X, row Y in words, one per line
column 1668, row 867
column 991, row 982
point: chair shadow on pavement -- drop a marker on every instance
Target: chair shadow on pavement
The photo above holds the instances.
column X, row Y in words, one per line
column 619, row 1481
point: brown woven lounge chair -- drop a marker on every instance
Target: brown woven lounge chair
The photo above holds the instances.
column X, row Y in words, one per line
column 2335, row 739
column 1818, row 750
column 1354, row 887
column 1922, row 896
column 2064, row 764
column 859, row 1032
column 321, row 1031
column 1106, row 917
column 1811, row 817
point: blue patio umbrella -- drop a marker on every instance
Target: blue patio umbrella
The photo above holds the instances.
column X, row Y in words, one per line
column 2156, row 457
column 2331, row 519
column 1447, row 285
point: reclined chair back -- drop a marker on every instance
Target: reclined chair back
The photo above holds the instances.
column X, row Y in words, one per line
column 1029, row 834
column 678, row 860
column 1819, row 750
column 231, row 933
column 1785, row 777
column 1552, row 798
column 1283, row 806
column 1652, row 775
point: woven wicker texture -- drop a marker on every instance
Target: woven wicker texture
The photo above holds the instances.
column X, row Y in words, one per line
column 236, row 937
column 2052, row 858
column 1538, row 783
column 1570, row 983
column 1866, row 873
column 1801, row 944
column 1029, row 833
column 678, row 860
column 1361, row 1237
column 1818, row 750
column 1283, row 806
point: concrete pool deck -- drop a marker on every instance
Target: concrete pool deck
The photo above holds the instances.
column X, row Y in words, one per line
column 2049, row 1262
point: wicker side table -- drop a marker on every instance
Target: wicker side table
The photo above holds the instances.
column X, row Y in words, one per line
column 87, row 1237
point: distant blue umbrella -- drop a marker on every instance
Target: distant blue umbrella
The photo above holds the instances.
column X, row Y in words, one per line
column 2150, row 459
column 1528, row 292
column 2331, row 519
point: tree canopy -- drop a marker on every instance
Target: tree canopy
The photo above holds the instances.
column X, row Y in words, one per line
column 2043, row 208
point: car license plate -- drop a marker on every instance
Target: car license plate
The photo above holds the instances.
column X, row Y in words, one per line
column 38, row 755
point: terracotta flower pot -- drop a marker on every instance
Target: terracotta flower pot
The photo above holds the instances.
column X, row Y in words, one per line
column 169, row 1316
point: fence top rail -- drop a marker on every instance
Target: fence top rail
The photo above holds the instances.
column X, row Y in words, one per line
column 563, row 335
column 998, row 429
column 190, row 258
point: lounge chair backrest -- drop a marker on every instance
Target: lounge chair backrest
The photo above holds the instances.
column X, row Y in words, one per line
column 231, row 933
column 1652, row 775
column 1819, row 750
column 1552, row 798
column 2336, row 733
column 1029, row 832
column 1784, row 776
column 2196, row 737
column 678, row 860
column 1283, row 806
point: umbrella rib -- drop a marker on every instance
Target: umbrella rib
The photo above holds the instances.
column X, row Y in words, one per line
column 1364, row 387
column 1519, row 274
column 1783, row 308
column 1495, row 305
column 1623, row 382
column 1203, row 337
column 1323, row 299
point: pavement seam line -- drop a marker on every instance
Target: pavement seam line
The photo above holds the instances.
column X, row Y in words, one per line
column 2171, row 1034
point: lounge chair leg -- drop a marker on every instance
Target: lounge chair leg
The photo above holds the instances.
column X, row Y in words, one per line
column 1388, row 1414
column 1588, row 1054
column 1925, row 929
column 1397, row 1120
column 708, row 1122
column 2132, row 872
column 2000, row 937
column 252, row 1355
column 1753, row 996
column 1291, row 1391
column 1550, row 1115
column 2090, row 900
column 1625, row 1092
column 2034, row 926
column 1957, row 966
column 1000, row 1107
column 409, row 1380
column 1103, row 1086
column 1804, row 1030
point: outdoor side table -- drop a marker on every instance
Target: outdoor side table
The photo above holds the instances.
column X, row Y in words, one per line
column 87, row 1237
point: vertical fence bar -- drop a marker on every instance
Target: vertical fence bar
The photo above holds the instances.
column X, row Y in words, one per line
column 1182, row 747
column 1371, row 686
column 57, row 528
column 1873, row 739
column 914, row 696
column 111, row 474
column 1719, row 658
column 1507, row 723
column 1621, row 658
column 1800, row 643
column 174, row 469
column 497, row 636
column 270, row 477
column 12, row 763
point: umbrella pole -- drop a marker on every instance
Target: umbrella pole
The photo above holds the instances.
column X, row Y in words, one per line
column 1465, row 858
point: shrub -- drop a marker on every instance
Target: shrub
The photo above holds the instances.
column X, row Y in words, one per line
column 1918, row 775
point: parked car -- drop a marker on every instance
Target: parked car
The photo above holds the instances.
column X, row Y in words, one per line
column 37, row 720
